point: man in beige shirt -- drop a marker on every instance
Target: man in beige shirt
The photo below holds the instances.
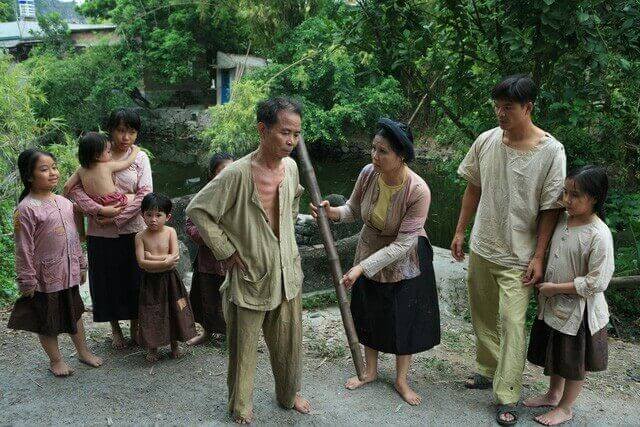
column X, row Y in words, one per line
column 246, row 215
column 514, row 174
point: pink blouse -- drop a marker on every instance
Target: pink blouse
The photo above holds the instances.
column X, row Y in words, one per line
column 134, row 180
column 391, row 254
column 206, row 261
column 48, row 253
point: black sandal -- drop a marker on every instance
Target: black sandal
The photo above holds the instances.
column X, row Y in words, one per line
column 507, row 409
column 480, row 382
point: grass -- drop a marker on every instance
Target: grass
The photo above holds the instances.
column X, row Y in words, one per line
column 319, row 299
column 437, row 366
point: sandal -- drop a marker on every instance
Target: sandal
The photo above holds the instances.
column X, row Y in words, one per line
column 507, row 409
column 478, row 382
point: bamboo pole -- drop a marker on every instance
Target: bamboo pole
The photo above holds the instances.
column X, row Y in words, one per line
column 629, row 282
column 334, row 261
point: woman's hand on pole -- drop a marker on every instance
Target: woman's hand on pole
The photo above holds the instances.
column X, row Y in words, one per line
column 332, row 213
column 351, row 276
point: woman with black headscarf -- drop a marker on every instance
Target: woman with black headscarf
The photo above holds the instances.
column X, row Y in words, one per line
column 394, row 302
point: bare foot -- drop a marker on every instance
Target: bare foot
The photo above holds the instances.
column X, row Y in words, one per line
column 555, row 417
column 117, row 340
column 354, row 382
column 301, row 405
column 176, row 353
column 546, row 399
column 152, row 355
column 202, row 338
column 248, row 419
column 60, row 369
column 409, row 396
column 90, row 359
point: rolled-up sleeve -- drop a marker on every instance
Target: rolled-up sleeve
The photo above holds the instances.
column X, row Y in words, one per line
column 207, row 209
column 554, row 182
column 24, row 223
column 469, row 168
column 601, row 267
column 410, row 228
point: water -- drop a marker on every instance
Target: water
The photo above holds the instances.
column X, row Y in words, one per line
column 333, row 176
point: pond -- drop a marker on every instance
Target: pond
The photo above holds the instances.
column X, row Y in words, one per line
column 334, row 176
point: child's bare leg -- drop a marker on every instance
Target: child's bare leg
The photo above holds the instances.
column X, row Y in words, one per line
column 152, row 355
column 551, row 397
column 56, row 365
column 564, row 411
column 370, row 371
column 84, row 354
column 175, row 350
column 402, row 385
column 116, row 335
column 201, row 338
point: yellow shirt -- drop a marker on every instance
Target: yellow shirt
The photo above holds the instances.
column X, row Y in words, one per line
column 379, row 214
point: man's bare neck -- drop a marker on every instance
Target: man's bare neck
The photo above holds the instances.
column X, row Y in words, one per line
column 525, row 133
column 269, row 162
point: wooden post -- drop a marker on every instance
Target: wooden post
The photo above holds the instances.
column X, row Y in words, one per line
column 629, row 282
column 334, row 261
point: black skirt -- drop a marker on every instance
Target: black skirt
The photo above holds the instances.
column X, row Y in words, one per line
column 114, row 277
column 568, row 356
column 48, row 314
column 206, row 301
column 402, row 317
column 165, row 311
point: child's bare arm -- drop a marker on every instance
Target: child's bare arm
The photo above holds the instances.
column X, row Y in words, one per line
column 147, row 265
column 150, row 257
column 119, row 165
column 174, row 249
column 71, row 182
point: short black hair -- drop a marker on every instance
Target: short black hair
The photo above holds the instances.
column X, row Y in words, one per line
column 268, row 109
column 215, row 161
column 90, row 147
column 592, row 180
column 123, row 116
column 156, row 201
column 518, row 88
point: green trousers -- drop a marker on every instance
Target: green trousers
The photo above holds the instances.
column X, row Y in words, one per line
column 282, row 329
column 499, row 301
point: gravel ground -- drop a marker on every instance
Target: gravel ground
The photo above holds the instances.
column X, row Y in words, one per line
column 192, row 390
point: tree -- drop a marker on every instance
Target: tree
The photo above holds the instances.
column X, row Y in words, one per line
column 55, row 35
column 7, row 11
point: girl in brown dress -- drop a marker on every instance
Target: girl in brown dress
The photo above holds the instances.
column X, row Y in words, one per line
column 49, row 263
column 164, row 312
column 208, row 273
column 569, row 337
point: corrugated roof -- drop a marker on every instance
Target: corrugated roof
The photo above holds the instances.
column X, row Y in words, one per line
column 22, row 30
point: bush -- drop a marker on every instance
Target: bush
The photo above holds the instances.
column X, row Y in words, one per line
column 83, row 88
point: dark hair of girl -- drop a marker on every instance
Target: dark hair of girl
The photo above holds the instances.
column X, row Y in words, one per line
column 216, row 160
column 592, row 180
column 26, row 165
column 90, row 147
column 124, row 116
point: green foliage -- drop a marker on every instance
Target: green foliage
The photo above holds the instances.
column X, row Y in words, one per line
column 82, row 88
column 7, row 10
column 55, row 35
column 8, row 290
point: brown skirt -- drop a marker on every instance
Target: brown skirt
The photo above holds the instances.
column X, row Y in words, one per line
column 206, row 301
column 568, row 356
column 48, row 314
column 164, row 313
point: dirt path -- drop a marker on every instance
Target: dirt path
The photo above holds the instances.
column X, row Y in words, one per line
column 192, row 390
